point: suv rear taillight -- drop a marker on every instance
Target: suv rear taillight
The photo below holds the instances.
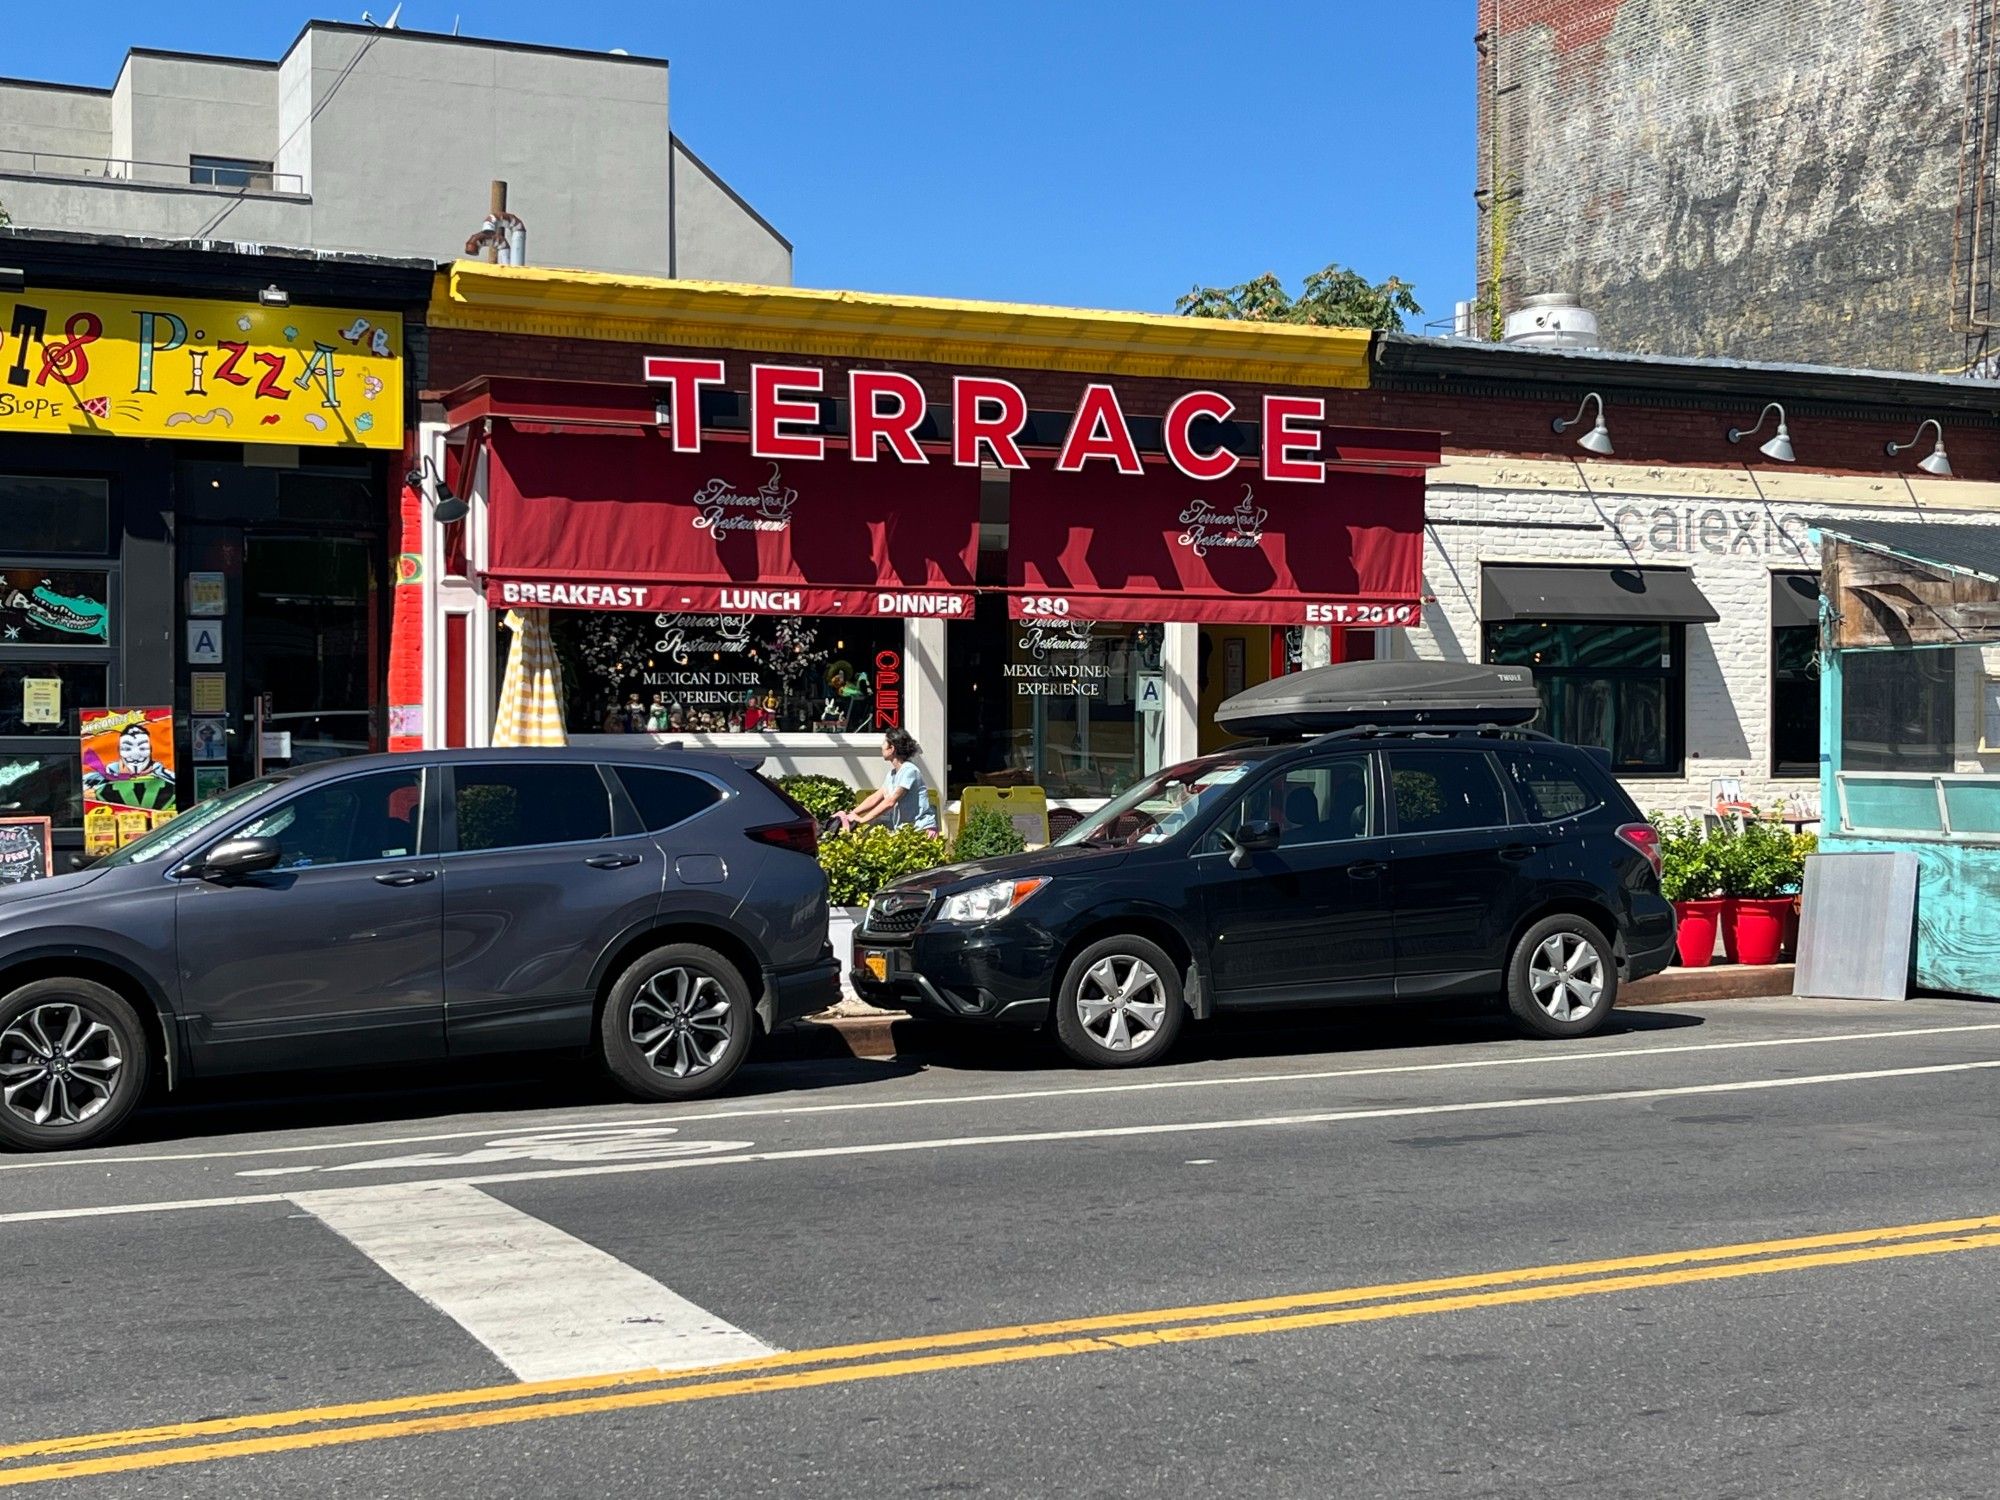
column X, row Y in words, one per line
column 1646, row 839
column 801, row 835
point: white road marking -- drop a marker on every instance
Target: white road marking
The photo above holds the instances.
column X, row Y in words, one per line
column 1044, row 1137
column 611, row 1119
column 548, row 1306
column 629, row 1143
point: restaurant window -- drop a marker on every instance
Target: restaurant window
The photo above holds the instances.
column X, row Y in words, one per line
column 1622, row 688
column 627, row 672
column 1899, row 711
column 1794, row 701
column 54, row 513
column 1049, row 703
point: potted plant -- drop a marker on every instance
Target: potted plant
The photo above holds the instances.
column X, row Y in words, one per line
column 1757, row 875
column 988, row 834
column 859, row 863
column 1688, row 879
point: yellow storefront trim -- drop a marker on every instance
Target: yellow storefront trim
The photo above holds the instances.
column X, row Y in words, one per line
column 878, row 326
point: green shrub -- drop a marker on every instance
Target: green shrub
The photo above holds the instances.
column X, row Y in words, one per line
column 860, row 863
column 1757, row 861
column 822, row 796
column 1687, row 860
column 988, row 834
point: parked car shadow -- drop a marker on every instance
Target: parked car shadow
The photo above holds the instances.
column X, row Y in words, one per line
column 1355, row 1031
column 473, row 1087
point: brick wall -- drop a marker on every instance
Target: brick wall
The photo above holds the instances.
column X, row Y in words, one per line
column 1763, row 179
column 1728, row 707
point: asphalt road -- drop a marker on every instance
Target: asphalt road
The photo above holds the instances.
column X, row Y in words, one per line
column 1735, row 1249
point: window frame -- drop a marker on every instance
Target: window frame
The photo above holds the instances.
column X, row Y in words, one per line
column 1782, row 770
column 426, row 820
column 1207, row 846
column 1395, row 824
column 1674, row 766
column 108, row 653
column 1517, row 808
column 626, row 806
column 624, row 817
column 258, row 175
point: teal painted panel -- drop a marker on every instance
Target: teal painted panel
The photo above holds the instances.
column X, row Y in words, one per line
column 1974, row 806
column 1892, row 806
column 1957, row 946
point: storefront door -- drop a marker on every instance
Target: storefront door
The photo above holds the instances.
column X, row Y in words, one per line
column 302, row 627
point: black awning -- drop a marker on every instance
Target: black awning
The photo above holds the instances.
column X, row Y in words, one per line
column 1794, row 600
column 1654, row 596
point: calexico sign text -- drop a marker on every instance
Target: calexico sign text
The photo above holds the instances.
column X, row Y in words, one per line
column 988, row 415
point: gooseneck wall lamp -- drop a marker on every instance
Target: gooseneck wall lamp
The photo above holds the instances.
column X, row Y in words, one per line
column 1780, row 444
column 445, row 506
column 1598, row 439
column 1933, row 462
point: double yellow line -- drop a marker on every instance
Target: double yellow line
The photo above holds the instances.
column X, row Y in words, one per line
column 503, row 1405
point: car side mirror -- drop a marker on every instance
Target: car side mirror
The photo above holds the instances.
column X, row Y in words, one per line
column 81, row 862
column 234, row 857
column 1251, row 838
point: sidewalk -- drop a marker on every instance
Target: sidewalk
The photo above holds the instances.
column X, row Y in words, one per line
column 853, row 1029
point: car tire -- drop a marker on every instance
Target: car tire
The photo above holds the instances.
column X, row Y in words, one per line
column 74, row 1053
column 1562, row 978
column 678, row 1023
column 1120, row 1004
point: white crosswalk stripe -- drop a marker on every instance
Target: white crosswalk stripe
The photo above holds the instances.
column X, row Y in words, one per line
column 546, row 1304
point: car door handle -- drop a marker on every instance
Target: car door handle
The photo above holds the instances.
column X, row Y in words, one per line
column 611, row 861
column 1366, row 871
column 406, row 877
column 1517, row 851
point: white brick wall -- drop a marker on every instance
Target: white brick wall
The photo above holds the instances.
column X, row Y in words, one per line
column 1731, row 544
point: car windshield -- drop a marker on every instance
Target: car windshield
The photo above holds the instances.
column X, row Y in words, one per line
column 151, row 846
column 1156, row 810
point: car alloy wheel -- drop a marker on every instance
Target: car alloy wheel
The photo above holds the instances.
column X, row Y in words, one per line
column 1566, row 976
column 679, row 1020
column 1121, row 1002
column 58, row 1065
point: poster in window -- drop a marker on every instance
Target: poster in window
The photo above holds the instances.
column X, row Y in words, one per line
column 55, row 608
column 210, row 781
column 24, row 850
column 208, row 692
column 211, row 739
column 208, row 594
column 128, row 771
column 41, row 700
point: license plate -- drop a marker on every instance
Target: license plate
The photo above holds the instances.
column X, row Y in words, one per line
column 877, row 964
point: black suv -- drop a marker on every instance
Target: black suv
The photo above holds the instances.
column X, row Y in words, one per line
column 1365, row 865
column 654, row 909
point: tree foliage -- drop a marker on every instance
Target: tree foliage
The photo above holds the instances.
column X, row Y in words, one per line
column 1333, row 297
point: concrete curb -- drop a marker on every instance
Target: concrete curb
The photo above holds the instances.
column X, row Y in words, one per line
column 890, row 1035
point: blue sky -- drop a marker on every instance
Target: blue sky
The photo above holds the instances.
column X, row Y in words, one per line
column 1097, row 153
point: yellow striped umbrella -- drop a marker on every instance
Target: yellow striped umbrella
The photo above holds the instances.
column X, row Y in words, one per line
column 531, row 711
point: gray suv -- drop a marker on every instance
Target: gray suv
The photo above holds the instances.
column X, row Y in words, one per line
column 655, row 908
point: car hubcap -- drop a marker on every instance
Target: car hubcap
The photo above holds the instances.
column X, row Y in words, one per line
column 1566, row 976
column 1121, row 1002
column 680, row 1021
column 57, row 1065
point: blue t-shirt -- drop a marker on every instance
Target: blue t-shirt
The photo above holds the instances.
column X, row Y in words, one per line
column 914, row 806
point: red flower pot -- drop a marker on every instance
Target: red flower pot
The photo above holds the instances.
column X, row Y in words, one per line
column 1695, row 936
column 1753, row 929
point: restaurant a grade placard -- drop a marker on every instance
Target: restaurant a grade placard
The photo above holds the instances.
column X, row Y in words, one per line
column 164, row 367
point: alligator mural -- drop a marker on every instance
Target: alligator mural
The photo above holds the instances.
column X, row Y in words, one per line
column 71, row 614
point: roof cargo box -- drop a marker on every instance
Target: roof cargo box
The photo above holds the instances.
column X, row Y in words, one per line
column 1442, row 694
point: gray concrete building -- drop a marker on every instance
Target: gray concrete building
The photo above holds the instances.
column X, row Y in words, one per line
column 1813, row 181
column 384, row 142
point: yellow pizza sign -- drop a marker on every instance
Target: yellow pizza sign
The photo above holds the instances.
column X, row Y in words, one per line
column 162, row 367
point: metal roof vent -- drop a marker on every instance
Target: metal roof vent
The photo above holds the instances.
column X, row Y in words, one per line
column 1554, row 320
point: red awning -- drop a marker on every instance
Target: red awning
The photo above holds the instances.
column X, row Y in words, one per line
column 617, row 520
column 1241, row 550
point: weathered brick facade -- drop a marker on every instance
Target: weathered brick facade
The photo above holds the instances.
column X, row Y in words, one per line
column 1758, row 179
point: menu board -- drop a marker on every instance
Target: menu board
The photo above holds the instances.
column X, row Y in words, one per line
column 24, row 850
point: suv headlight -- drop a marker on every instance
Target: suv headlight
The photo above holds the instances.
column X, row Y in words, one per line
column 985, row 902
